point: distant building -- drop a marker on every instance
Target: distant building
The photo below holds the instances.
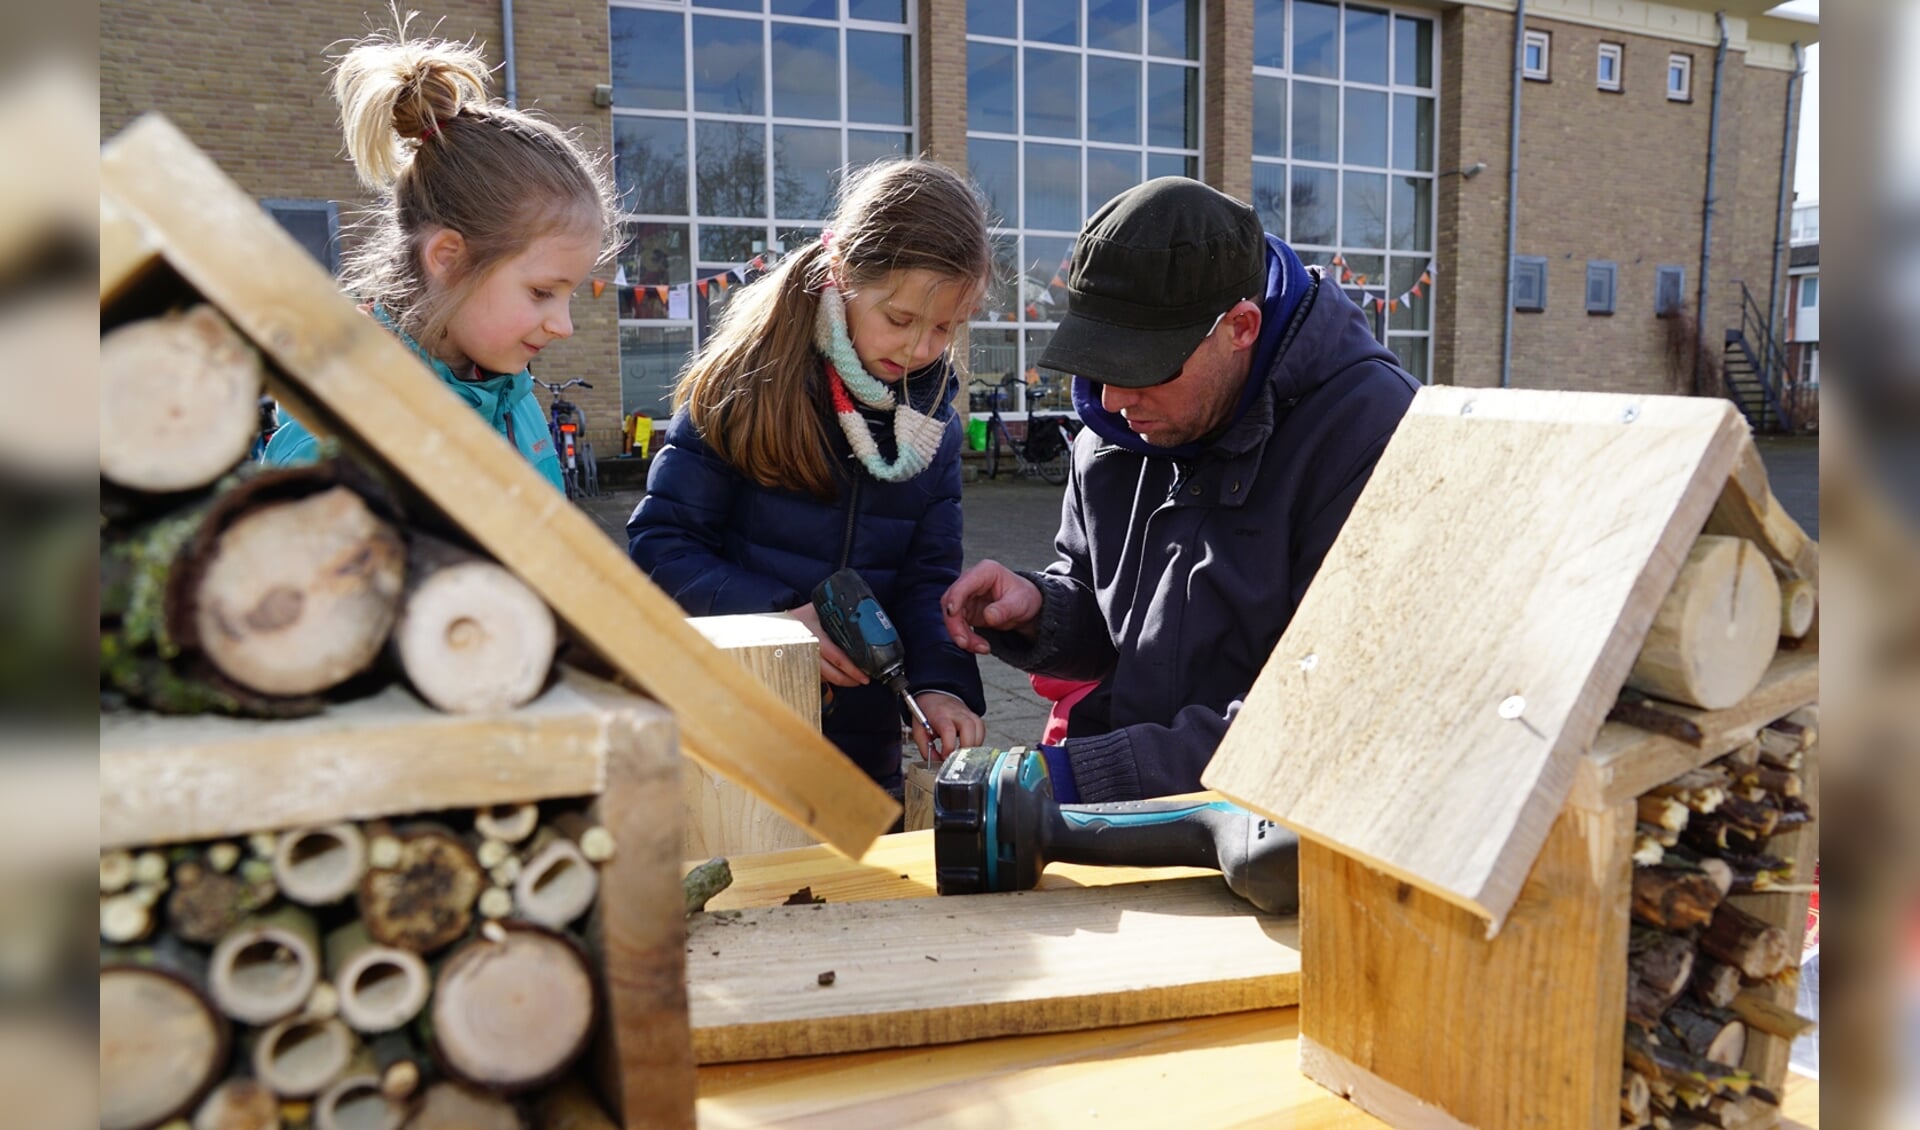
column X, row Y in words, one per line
column 1375, row 133
column 1803, row 296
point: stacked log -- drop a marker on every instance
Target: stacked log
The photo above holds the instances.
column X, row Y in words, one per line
column 1702, row 971
column 232, row 588
column 345, row 976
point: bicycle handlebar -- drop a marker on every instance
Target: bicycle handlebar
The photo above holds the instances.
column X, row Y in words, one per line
column 556, row 389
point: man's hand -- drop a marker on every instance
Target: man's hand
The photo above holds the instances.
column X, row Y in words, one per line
column 835, row 667
column 955, row 726
column 989, row 595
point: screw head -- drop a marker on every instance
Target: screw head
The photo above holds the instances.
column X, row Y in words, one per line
column 1513, row 706
column 1309, row 661
column 1630, row 413
column 1467, row 408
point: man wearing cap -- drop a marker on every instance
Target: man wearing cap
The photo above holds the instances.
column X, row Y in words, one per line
column 1235, row 404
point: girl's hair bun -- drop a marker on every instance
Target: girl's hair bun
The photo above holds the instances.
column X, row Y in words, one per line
column 392, row 90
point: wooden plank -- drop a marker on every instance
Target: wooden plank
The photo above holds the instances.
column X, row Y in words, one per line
column 1522, row 1029
column 723, row 818
column 1627, row 761
column 220, row 241
column 1748, row 509
column 912, row 971
column 126, row 251
column 638, row 927
column 166, row 780
column 1426, row 708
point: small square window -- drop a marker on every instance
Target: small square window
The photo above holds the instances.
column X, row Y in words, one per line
column 1601, row 277
column 1680, row 78
column 1529, row 282
column 314, row 223
column 1537, row 48
column 1609, row 66
column 1810, row 292
column 1669, row 291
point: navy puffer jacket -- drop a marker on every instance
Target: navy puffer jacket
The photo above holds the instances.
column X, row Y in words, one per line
column 720, row 543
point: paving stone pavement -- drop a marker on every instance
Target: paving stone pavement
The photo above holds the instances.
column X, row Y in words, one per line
column 1013, row 521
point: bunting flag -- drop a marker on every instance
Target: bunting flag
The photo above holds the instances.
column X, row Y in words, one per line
column 599, row 287
column 725, row 280
column 620, row 275
column 1374, row 302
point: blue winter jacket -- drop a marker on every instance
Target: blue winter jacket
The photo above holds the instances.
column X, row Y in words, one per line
column 506, row 402
column 719, row 543
column 1177, row 575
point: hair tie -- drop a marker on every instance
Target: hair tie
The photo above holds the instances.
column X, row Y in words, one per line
column 826, row 238
column 432, row 128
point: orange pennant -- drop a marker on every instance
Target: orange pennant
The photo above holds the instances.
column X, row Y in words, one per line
column 725, row 280
column 1393, row 307
column 599, row 287
column 702, row 287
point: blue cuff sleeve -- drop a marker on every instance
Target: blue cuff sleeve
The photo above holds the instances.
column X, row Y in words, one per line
column 1061, row 770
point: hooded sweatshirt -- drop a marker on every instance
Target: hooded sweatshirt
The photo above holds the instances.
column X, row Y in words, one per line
column 1179, row 568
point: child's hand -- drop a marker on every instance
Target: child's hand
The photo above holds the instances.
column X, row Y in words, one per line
column 955, row 726
column 835, row 667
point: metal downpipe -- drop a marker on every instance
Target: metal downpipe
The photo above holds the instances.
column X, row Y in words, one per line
column 1513, row 189
column 1707, row 204
column 506, row 38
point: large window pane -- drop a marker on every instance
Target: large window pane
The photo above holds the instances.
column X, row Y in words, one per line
column 654, row 255
column 812, row 9
column 1270, row 196
column 1316, row 122
column 804, row 161
column 651, row 357
column 877, row 78
column 1172, row 165
column 881, row 11
column 1113, row 102
column 649, row 56
column 1053, row 187
column 1412, row 214
column 806, row 71
column 1369, row 279
column 865, row 146
column 724, row 245
column 1412, row 51
column 1114, row 25
column 1049, row 390
column 1003, row 290
column 1110, row 172
column 992, row 17
column 1316, row 39
column 1412, row 314
column 1173, row 28
column 1363, row 216
column 729, row 69
column 1044, row 288
column 1316, row 205
column 990, row 87
column 992, row 358
column 1366, row 128
column 1053, row 93
column 1412, row 352
column 1413, row 133
column 730, row 168
column 1269, row 116
column 1366, row 46
column 994, row 168
column 1173, row 106
column 1270, row 33
column 1053, row 21
column 730, row 5
column 650, row 164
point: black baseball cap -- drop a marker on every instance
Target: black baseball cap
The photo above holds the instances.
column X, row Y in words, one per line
column 1151, row 274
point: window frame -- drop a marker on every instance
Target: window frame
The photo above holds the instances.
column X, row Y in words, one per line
column 1809, row 284
column 1610, row 271
column 1685, row 92
column 1545, row 41
column 1522, row 266
column 1679, row 274
column 1618, row 53
column 331, row 210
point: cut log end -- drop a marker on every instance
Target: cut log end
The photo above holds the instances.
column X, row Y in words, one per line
column 240, row 1103
column 448, row 1105
column 301, row 1055
column 300, row 596
column 356, row 1102
column 512, row 1014
column 265, row 969
column 425, row 900
column 556, row 885
column 472, row 637
column 162, row 1044
column 179, row 401
column 1797, row 604
column 1717, row 630
column 320, row 866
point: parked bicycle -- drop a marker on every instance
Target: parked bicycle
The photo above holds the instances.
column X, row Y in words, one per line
column 579, row 471
column 1046, row 450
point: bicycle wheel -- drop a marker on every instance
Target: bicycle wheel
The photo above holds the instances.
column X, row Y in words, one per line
column 589, row 471
column 1054, row 467
column 993, row 454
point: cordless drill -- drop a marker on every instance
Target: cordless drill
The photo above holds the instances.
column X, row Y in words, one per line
column 853, row 619
column 995, row 826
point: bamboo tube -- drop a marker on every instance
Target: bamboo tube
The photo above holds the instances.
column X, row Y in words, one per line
column 1797, row 605
column 594, row 840
column 300, row 1056
column 556, row 884
column 355, row 1102
column 320, row 866
column 265, row 969
column 240, row 1103
column 180, row 397
column 126, row 918
column 449, row 1105
column 425, row 900
column 508, row 823
column 471, row 636
column 380, row 987
column 116, row 871
column 162, row 1042
column 512, row 1014
column 1717, row 630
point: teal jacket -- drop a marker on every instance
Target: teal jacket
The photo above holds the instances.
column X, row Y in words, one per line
column 505, row 402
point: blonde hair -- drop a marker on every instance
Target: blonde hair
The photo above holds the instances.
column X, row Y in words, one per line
column 422, row 133
column 754, row 392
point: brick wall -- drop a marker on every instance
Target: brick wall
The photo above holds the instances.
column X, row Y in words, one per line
column 1604, row 176
column 249, row 85
column 1226, row 75
column 941, row 45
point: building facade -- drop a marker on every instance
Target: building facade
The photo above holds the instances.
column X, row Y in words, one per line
column 1375, row 137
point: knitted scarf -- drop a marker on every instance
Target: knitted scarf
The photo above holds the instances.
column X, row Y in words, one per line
column 916, row 435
